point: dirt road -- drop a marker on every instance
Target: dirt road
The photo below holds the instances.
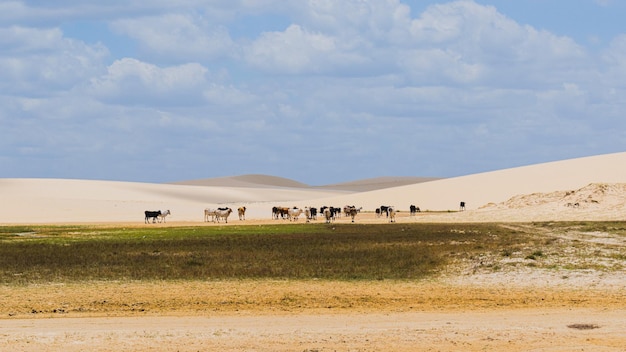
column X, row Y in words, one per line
column 311, row 316
column 517, row 330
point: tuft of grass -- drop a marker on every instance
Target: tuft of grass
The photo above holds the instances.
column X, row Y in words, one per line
column 534, row 255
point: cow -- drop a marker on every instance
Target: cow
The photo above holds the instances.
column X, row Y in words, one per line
column 242, row 213
column 163, row 214
column 151, row 214
column 391, row 214
column 210, row 213
column 223, row 213
column 313, row 213
column 352, row 211
column 414, row 209
column 294, row 213
column 462, row 206
column 328, row 214
column 347, row 209
column 274, row 212
column 383, row 210
column 280, row 212
column 310, row 213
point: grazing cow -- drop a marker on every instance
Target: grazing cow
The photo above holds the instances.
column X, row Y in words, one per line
column 313, row 213
column 163, row 214
column 294, row 213
column 391, row 214
column 413, row 209
column 310, row 213
column 223, row 213
column 328, row 214
column 384, row 210
column 348, row 209
column 150, row 214
column 242, row 213
column 280, row 212
column 352, row 211
column 212, row 213
column 462, row 206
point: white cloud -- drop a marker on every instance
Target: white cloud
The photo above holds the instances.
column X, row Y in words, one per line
column 293, row 51
column 466, row 42
column 130, row 81
column 178, row 37
column 41, row 61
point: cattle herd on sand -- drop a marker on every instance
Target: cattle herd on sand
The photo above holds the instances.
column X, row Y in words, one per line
column 328, row 214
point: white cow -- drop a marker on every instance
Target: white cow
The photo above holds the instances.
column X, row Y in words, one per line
column 223, row 213
column 391, row 214
column 164, row 213
column 210, row 213
column 294, row 213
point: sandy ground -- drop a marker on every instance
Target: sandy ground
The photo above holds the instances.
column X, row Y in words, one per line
column 521, row 310
column 312, row 316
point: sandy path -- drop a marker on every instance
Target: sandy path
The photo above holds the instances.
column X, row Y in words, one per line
column 519, row 330
column 311, row 316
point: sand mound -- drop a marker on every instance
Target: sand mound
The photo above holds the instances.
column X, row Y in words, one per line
column 595, row 195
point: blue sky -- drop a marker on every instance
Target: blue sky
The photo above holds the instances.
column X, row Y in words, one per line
column 319, row 91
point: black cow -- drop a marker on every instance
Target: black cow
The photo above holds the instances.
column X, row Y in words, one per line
column 313, row 213
column 332, row 213
column 462, row 206
column 414, row 209
column 151, row 215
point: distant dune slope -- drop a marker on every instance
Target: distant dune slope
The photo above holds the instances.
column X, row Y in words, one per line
column 372, row 184
column 245, row 181
column 255, row 180
column 496, row 186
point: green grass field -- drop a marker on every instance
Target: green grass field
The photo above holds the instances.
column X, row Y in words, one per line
column 37, row 254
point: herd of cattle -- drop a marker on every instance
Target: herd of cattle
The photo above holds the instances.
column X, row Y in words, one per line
column 329, row 214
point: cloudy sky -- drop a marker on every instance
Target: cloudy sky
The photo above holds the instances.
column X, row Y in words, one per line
column 320, row 91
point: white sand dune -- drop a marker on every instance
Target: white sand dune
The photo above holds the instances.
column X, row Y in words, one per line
column 77, row 201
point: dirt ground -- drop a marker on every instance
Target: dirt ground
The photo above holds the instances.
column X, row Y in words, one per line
column 310, row 316
column 523, row 310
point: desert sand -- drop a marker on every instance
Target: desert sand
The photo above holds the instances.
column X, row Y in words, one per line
column 524, row 310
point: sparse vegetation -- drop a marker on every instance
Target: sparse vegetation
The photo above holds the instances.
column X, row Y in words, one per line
column 299, row 251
